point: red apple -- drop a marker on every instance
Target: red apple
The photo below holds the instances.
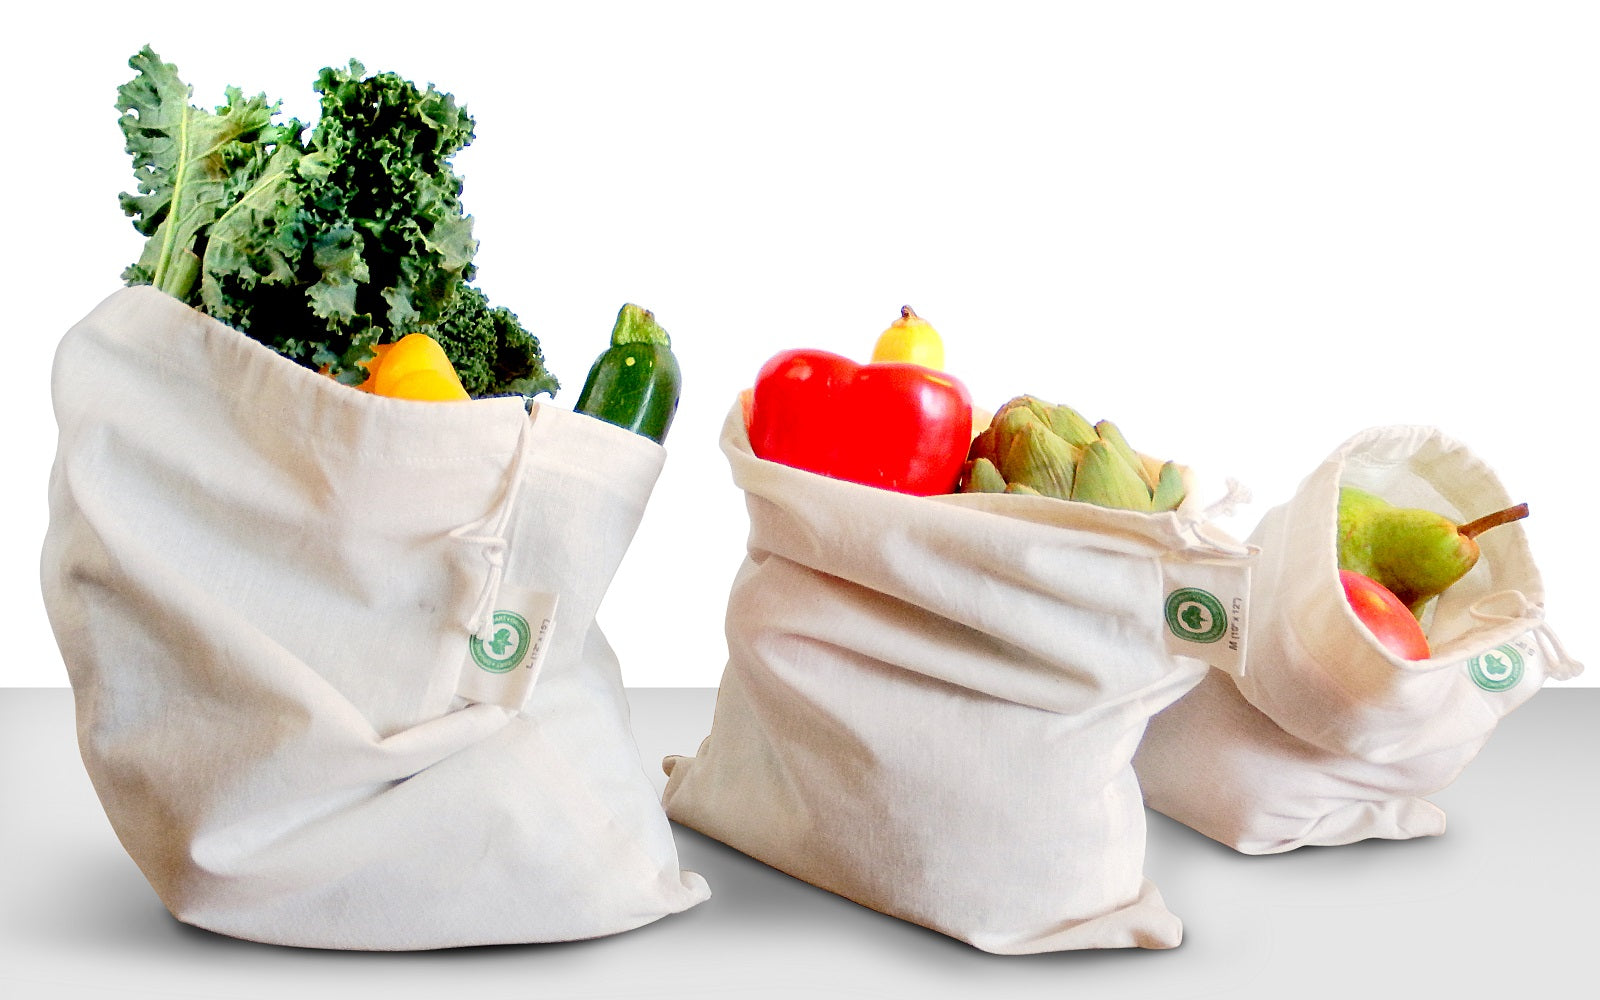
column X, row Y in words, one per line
column 1389, row 621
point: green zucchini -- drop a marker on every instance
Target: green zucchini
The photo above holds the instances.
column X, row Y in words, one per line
column 636, row 382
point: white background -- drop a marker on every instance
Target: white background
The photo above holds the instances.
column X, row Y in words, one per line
column 1244, row 231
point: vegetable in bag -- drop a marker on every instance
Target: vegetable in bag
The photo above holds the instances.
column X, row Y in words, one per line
column 898, row 423
column 1039, row 448
column 635, row 383
column 321, row 245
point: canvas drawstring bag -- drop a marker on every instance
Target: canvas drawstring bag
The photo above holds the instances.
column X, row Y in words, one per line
column 930, row 703
column 334, row 656
column 1326, row 737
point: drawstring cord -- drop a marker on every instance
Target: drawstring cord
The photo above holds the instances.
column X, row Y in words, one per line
column 494, row 541
column 1201, row 538
column 1236, row 496
column 1561, row 666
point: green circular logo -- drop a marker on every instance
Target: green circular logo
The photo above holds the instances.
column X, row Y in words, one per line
column 1196, row 615
column 1497, row 670
column 503, row 650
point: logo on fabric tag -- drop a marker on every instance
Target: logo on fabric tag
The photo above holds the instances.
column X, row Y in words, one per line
column 1500, row 669
column 504, row 658
column 510, row 638
column 1195, row 615
column 1204, row 609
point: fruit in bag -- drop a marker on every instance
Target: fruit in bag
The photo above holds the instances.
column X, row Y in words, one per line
column 1389, row 621
column 1415, row 553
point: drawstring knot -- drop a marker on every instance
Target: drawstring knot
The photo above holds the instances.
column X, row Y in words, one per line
column 1237, row 495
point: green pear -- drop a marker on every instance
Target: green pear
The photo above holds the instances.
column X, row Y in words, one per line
column 1416, row 553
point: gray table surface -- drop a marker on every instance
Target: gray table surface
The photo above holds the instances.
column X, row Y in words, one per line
column 1504, row 902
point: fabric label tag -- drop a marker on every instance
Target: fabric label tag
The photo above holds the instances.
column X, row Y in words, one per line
column 503, row 660
column 1505, row 666
column 1205, row 611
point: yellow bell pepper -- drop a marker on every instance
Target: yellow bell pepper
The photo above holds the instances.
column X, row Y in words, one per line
column 413, row 367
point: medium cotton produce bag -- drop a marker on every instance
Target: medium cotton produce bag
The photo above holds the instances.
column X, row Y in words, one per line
column 930, row 703
column 337, row 673
column 1326, row 737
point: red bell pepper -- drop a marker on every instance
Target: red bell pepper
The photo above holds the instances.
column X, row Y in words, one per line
column 893, row 425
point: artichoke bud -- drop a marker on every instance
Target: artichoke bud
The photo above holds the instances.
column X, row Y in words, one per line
column 1007, row 426
column 1041, row 461
column 1105, row 479
column 1040, row 408
column 1063, row 421
column 1070, row 425
column 983, row 445
column 1169, row 491
column 1016, row 403
column 1111, row 434
column 1152, row 470
column 981, row 476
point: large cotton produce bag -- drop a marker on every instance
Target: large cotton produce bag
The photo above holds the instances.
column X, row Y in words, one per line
column 1325, row 737
column 334, row 656
column 930, row 703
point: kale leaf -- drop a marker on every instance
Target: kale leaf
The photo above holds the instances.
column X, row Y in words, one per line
column 501, row 358
column 320, row 246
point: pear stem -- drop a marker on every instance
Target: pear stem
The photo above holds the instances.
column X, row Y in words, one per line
column 1473, row 529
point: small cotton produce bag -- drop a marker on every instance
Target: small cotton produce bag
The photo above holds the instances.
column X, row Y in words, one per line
column 930, row 703
column 337, row 675
column 1325, row 737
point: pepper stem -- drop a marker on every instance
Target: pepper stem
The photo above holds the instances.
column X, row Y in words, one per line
column 1473, row 529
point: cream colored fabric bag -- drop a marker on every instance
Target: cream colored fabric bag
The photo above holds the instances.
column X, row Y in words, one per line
column 930, row 703
column 302, row 624
column 1326, row 738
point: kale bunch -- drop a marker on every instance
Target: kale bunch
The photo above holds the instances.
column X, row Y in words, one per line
column 319, row 246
